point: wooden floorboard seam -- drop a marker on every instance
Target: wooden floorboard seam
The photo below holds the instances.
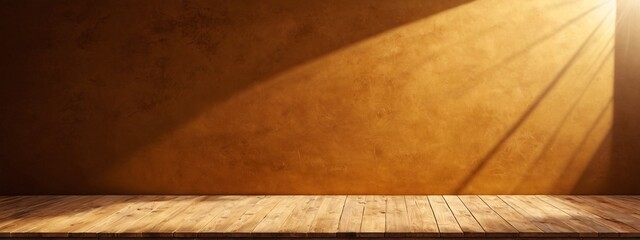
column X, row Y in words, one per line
column 322, row 216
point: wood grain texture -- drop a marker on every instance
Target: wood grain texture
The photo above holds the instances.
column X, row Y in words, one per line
column 447, row 223
column 541, row 218
column 272, row 223
column 374, row 218
column 524, row 225
column 465, row 219
column 316, row 216
column 58, row 226
column 231, row 213
column 605, row 227
column 605, row 211
column 328, row 217
column 397, row 219
column 252, row 217
column 303, row 216
column 351, row 218
column 421, row 218
column 492, row 224
column 23, row 226
column 196, row 217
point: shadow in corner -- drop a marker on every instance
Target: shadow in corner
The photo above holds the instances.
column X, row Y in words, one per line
column 87, row 83
column 618, row 157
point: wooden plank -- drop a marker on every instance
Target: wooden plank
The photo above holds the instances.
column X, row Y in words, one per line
column 447, row 224
column 130, row 221
column 631, row 215
column 583, row 229
column 12, row 212
column 188, row 216
column 25, row 216
column 273, row 221
column 162, row 226
column 320, row 216
column 624, row 200
column 217, row 226
column 605, row 227
column 373, row 218
column 193, row 219
column 122, row 219
column 552, row 226
column 5, row 198
column 23, row 201
column 134, row 223
column 78, row 228
column 351, row 219
column 397, row 219
column 156, row 216
column 469, row 225
column 491, row 222
column 55, row 225
column 299, row 222
column 620, row 205
column 421, row 218
column 8, row 202
column 635, row 199
column 250, row 219
column 327, row 219
column 37, row 217
column 23, row 206
column 604, row 211
column 525, row 227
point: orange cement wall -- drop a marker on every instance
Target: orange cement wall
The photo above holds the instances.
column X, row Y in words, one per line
column 319, row 97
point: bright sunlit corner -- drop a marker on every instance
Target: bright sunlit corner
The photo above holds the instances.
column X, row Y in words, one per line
column 507, row 119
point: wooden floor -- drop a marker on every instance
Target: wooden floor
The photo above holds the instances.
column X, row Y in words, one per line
column 320, row 216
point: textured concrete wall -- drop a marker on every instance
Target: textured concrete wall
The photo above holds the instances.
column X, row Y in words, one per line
column 317, row 97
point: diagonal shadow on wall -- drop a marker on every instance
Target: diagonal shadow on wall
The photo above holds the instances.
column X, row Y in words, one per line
column 616, row 160
column 468, row 179
column 89, row 82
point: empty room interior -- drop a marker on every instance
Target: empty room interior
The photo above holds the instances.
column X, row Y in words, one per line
column 425, row 119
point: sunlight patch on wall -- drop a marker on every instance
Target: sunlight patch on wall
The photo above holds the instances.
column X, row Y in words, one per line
column 487, row 97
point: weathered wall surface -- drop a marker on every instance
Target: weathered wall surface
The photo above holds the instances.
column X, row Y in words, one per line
column 317, row 97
